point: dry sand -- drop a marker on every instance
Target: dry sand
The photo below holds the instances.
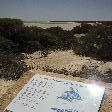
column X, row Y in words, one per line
column 5, row 85
column 65, row 26
column 68, row 61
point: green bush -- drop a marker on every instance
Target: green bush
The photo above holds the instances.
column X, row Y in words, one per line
column 83, row 28
column 9, row 28
column 24, row 37
column 2, row 39
column 96, row 43
column 12, row 66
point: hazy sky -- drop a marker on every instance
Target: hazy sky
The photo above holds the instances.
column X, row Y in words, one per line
column 41, row 10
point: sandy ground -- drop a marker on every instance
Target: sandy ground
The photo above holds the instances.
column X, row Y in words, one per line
column 65, row 26
column 59, row 62
column 5, row 85
column 67, row 61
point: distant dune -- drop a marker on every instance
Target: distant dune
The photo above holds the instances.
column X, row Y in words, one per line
column 65, row 26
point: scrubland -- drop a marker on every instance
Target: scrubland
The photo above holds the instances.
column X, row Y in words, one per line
column 75, row 50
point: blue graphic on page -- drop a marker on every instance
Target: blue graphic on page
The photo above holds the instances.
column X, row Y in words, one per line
column 70, row 95
column 63, row 110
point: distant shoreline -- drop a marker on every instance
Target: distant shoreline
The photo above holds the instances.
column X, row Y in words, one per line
column 64, row 22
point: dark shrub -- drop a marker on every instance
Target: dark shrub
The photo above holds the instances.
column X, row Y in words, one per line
column 96, row 43
column 83, row 28
column 11, row 65
column 9, row 28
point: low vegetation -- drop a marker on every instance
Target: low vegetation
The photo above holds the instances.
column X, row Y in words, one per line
column 12, row 65
column 87, row 40
column 30, row 39
column 96, row 43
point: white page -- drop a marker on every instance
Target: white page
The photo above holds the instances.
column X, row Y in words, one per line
column 50, row 94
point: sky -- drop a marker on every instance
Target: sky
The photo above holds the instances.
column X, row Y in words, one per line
column 46, row 10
